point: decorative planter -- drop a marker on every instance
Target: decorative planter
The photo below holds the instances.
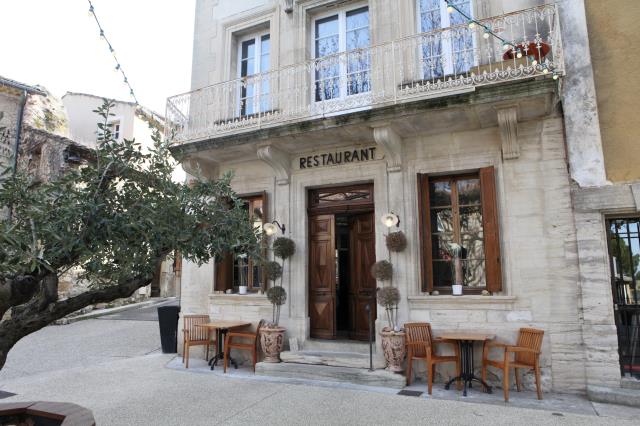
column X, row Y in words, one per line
column 271, row 340
column 457, row 289
column 393, row 346
column 242, row 289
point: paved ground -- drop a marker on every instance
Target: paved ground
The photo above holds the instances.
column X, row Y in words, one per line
column 114, row 368
column 147, row 313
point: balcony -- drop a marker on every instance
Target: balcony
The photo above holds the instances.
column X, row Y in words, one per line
column 441, row 63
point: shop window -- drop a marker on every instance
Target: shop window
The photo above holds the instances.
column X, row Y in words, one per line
column 235, row 270
column 459, row 210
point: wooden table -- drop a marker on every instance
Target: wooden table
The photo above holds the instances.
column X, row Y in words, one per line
column 465, row 342
column 221, row 327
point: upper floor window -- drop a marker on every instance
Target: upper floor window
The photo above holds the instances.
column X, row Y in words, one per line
column 343, row 61
column 449, row 53
column 254, row 62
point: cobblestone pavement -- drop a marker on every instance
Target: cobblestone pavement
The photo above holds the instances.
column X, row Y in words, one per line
column 115, row 368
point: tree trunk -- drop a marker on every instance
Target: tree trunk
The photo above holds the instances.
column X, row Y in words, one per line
column 35, row 314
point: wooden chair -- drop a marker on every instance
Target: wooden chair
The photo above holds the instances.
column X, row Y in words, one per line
column 195, row 336
column 421, row 345
column 250, row 344
column 527, row 355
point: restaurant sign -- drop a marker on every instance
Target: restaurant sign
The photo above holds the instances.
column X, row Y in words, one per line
column 338, row 157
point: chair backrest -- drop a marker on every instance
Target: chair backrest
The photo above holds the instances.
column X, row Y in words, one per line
column 529, row 338
column 196, row 333
column 418, row 332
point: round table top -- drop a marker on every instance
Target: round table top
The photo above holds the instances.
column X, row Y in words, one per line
column 467, row 336
column 223, row 324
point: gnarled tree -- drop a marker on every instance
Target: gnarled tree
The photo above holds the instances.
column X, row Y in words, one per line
column 115, row 220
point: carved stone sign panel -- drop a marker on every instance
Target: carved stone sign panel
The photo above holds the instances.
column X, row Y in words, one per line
column 337, row 157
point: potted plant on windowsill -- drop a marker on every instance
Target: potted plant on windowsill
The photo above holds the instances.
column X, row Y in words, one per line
column 243, row 266
column 272, row 335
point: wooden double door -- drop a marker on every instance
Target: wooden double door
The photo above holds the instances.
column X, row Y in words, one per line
column 339, row 278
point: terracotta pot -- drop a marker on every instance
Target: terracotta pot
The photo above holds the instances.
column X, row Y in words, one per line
column 272, row 340
column 393, row 346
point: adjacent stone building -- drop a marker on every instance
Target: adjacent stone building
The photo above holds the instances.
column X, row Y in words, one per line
column 476, row 126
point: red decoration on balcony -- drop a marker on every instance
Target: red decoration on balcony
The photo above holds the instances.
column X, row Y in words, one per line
column 532, row 49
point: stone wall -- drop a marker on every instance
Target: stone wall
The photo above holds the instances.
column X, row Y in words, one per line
column 9, row 106
column 538, row 243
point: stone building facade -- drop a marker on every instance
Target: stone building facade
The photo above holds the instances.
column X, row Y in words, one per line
column 467, row 141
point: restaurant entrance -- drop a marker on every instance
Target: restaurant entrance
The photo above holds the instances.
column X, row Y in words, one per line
column 341, row 253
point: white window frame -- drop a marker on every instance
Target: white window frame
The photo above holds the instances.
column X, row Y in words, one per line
column 447, row 47
column 257, row 38
column 112, row 123
column 341, row 12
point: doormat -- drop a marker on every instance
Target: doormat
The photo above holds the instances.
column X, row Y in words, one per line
column 4, row 394
column 410, row 393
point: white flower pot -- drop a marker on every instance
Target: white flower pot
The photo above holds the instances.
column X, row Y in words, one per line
column 457, row 289
column 242, row 289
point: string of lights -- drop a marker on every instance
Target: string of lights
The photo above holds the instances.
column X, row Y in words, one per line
column 118, row 68
column 506, row 44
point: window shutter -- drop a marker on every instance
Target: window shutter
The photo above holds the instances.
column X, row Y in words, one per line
column 425, row 232
column 493, row 267
column 224, row 273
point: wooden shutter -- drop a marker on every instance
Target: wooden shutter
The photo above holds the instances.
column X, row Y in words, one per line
column 493, row 269
column 425, row 232
column 224, row 273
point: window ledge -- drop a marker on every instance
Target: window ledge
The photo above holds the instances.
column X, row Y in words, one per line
column 249, row 299
column 463, row 302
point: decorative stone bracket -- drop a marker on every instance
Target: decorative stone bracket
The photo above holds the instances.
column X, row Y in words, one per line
column 201, row 169
column 279, row 161
column 508, row 124
column 391, row 143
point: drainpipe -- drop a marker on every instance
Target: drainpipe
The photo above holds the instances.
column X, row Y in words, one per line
column 23, row 102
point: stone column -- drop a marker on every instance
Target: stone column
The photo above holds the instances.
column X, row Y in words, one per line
column 582, row 125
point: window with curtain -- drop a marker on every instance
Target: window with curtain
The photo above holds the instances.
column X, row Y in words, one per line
column 451, row 52
column 254, row 62
column 343, row 62
column 459, row 210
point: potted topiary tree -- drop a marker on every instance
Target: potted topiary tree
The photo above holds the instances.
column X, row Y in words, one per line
column 272, row 335
column 393, row 337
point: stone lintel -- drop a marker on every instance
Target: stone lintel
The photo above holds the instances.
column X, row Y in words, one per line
column 391, row 143
column 279, row 160
column 508, row 125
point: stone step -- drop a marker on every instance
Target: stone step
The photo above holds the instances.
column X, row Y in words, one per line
column 338, row 359
column 351, row 346
column 359, row 376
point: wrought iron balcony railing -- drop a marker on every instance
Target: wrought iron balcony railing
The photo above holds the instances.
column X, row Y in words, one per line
column 433, row 64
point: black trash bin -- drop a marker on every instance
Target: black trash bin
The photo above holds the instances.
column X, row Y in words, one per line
column 168, row 321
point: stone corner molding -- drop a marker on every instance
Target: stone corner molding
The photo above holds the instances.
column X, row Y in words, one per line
column 279, row 161
column 508, row 125
column 391, row 143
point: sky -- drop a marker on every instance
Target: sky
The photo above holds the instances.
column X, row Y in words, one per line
column 54, row 43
